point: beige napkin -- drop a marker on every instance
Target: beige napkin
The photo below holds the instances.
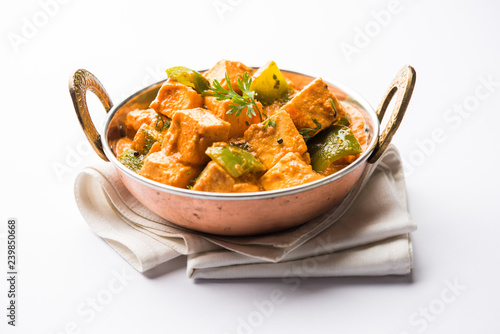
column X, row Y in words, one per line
column 370, row 238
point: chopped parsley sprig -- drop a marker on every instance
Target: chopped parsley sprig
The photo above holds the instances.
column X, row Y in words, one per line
column 240, row 102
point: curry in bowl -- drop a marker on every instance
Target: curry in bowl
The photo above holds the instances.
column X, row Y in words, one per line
column 233, row 129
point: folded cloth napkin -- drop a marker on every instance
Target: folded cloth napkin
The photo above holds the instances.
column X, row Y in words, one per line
column 367, row 234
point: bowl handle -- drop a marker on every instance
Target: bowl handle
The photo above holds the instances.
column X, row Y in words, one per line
column 79, row 83
column 403, row 84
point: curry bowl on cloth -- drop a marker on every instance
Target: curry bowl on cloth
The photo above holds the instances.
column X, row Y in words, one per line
column 244, row 208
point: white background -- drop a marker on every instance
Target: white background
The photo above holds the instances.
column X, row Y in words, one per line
column 451, row 160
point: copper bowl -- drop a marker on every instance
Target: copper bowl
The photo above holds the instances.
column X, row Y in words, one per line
column 240, row 214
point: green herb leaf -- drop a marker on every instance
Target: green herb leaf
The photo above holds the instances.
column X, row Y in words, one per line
column 269, row 122
column 239, row 102
column 308, row 132
column 332, row 103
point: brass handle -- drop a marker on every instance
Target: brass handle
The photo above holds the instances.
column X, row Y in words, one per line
column 403, row 84
column 79, row 83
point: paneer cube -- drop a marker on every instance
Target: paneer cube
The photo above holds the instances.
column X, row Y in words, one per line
column 121, row 145
column 245, row 187
column 234, row 70
column 239, row 124
column 247, row 183
column 167, row 170
column 138, row 117
column 191, row 132
column 274, row 139
column 174, row 96
column 311, row 106
column 290, row 171
column 215, row 179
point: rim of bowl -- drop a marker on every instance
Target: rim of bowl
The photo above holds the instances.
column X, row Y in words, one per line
column 250, row 195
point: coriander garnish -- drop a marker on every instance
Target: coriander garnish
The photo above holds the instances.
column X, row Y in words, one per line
column 308, row 132
column 333, row 106
column 240, row 102
column 269, row 122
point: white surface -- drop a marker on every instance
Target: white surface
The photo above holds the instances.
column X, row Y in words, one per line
column 452, row 183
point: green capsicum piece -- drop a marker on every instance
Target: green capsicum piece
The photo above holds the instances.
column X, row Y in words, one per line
column 269, row 84
column 235, row 161
column 333, row 143
column 132, row 159
column 189, row 78
column 145, row 138
column 151, row 137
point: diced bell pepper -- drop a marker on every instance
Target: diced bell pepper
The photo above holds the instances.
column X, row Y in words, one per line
column 269, row 84
column 131, row 159
column 234, row 160
column 189, row 78
column 145, row 138
column 333, row 143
